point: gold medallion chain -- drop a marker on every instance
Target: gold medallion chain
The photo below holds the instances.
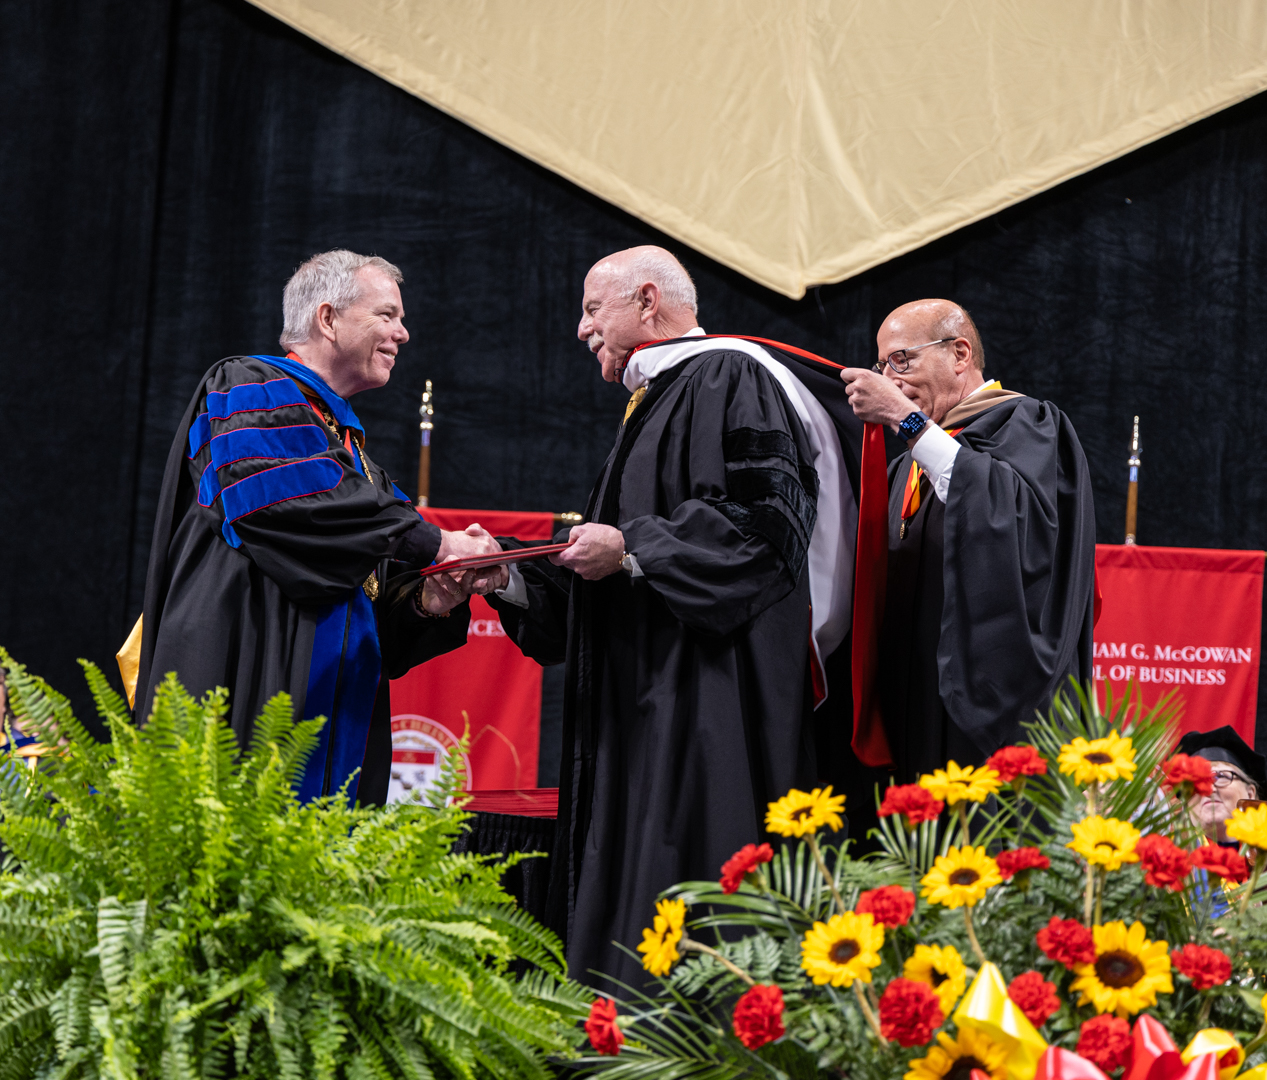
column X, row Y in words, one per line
column 370, row 585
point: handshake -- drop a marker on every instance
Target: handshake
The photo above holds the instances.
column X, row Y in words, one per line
column 440, row 593
column 597, row 551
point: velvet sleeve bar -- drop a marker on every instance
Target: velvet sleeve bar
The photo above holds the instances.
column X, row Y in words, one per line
column 277, row 484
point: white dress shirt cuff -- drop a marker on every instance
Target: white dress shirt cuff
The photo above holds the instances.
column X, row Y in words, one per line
column 634, row 569
column 515, row 592
column 936, row 452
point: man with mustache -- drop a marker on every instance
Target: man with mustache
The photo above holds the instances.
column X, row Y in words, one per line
column 283, row 558
column 683, row 607
column 991, row 562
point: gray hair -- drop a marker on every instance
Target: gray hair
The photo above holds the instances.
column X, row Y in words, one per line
column 636, row 267
column 328, row 278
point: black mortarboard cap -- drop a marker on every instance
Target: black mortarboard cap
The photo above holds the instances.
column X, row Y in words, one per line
column 1224, row 744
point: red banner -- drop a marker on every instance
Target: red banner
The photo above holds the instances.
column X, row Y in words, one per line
column 1186, row 619
column 489, row 679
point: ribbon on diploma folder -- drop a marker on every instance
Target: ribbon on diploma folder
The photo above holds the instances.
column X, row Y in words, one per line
column 501, row 558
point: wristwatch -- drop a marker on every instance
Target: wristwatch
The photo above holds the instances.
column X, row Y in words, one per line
column 912, row 425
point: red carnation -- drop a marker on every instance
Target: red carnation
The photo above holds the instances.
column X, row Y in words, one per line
column 1194, row 772
column 1067, row 942
column 1034, row 996
column 1026, row 858
column 742, row 863
column 912, row 801
column 1225, row 862
column 759, row 1016
column 1016, row 762
column 910, row 1012
column 891, row 905
column 605, row 1036
column 1105, row 1041
column 1165, row 865
column 1206, row 967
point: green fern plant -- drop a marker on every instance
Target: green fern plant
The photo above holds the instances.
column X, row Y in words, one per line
column 169, row 909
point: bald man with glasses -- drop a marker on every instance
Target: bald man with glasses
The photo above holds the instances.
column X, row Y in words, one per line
column 989, row 601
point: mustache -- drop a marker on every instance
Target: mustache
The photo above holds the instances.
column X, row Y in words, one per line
column 595, row 342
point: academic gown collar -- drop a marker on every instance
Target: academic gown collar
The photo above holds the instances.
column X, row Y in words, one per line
column 340, row 409
column 654, row 359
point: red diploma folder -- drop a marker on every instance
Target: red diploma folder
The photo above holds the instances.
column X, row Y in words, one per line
column 481, row 562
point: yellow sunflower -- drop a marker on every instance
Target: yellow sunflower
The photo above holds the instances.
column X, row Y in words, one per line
column 942, row 968
column 1098, row 760
column 954, row 1059
column 1129, row 970
column 844, row 948
column 1105, row 841
column 659, row 944
column 798, row 813
column 1249, row 826
column 959, row 877
column 954, row 784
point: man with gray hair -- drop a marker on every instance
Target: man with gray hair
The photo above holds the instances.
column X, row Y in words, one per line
column 696, row 608
column 283, row 558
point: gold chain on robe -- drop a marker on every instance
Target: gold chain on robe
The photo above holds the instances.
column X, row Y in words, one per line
column 370, row 585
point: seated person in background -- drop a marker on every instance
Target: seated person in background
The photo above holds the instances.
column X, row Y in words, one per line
column 1239, row 773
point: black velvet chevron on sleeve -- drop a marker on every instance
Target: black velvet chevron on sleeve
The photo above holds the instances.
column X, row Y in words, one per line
column 772, row 492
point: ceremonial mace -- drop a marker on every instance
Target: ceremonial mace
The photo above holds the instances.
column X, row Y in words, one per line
column 1132, row 488
column 425, row 412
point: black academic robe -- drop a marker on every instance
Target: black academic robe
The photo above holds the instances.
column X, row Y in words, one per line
column 686, row 700
column 990, row 596
column 267, row 528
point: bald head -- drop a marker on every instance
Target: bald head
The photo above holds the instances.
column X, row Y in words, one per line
column 631, row 297
column 634, row 267
column 932, row 320
column 938, row 355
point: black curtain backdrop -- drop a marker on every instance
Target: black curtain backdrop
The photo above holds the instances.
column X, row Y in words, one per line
column 165, row 164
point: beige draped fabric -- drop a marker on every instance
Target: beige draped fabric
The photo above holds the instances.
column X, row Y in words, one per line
column 803, row 141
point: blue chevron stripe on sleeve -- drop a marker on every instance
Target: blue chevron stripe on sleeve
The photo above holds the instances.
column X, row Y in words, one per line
column 293, row 441
column 294, row 480
column 199, row 434
column 254, row 397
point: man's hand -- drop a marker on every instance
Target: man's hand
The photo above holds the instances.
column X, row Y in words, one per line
column 483, row 582
column 876, row 399
column 440, row 593
column 595, row 553
column 473, row 540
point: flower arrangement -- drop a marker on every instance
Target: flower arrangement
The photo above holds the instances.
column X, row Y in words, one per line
column 1051, row 913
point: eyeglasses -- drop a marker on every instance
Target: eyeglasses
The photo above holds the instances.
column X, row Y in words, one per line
column 900, row 361
column 1222, row 779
